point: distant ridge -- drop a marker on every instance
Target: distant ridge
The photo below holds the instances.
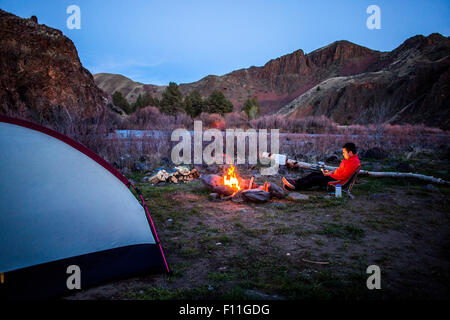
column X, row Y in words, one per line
column 344, row 81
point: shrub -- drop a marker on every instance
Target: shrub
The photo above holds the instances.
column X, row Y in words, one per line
column 217, row 103
column 120, row 101
column 172, row 100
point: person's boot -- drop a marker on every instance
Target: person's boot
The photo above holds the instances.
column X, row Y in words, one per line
column 288, row 184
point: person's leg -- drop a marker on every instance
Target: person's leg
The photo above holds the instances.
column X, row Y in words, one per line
column 312, row 180
column 299, row 184
column 303, row 181
column 307, row 181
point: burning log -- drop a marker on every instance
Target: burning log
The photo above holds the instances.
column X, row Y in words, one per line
column 238, row 197
column 251, row 183
column 215, row 183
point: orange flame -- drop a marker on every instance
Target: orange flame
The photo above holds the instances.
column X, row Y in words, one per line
column 231, row 180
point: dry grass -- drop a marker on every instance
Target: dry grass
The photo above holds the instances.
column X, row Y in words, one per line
column 312, row 138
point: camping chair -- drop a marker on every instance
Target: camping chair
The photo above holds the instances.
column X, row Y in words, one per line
column 346, row 185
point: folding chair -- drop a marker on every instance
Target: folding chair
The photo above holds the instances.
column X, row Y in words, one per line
column 346, row 185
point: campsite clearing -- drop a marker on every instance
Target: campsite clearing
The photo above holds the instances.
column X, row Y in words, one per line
column 227, row 250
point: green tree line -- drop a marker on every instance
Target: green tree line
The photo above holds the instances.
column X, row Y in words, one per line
column 172, row 102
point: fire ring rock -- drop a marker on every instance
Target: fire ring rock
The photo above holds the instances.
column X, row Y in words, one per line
column 215, row 183
column 211, row 180
column 256, row 195
column 276, row 191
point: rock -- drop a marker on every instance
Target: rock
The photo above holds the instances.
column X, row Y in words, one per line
column 432, row 188
column 214, row 196
column 211, row 180
column 256, row 195
column 405, row 167
column 139, row 166
column 223, row 190
column 276, row 191
column 375, row 153
column 295, row 196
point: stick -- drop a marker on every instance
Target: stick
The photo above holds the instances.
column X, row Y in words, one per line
column 316, row 262
column 251, row 183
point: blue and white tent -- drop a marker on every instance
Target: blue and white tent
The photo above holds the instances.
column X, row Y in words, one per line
column 62, row 205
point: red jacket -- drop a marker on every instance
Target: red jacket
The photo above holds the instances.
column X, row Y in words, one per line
column 346, row 168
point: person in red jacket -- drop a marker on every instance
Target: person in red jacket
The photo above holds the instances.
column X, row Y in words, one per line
column 347, row 167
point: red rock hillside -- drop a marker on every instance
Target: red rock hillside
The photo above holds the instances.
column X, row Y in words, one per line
column 411, row 84
column 40, row 70
column 343, row 81
column 278, row 82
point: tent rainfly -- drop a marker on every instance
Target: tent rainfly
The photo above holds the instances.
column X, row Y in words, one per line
column 68, row 219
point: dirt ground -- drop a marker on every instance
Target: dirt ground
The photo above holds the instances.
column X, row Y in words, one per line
column 318, row 248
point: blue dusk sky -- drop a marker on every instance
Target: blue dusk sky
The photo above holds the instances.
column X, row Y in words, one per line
column 183, row 41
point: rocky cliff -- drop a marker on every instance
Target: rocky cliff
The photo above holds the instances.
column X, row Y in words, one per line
column 344, row 81
column 411, row 84
column 276, row 83
column 41, row 71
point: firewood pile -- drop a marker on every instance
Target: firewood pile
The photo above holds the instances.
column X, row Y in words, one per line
column 176, row 175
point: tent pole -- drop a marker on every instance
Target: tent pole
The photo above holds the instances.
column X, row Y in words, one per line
column 152, row 226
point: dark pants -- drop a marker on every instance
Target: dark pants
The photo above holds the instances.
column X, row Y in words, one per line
column 311, row 180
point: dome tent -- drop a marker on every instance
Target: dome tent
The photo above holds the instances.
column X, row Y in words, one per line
column 62, row 205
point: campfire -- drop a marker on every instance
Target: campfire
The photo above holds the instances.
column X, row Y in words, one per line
column 230, row 179
column 230, row 186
